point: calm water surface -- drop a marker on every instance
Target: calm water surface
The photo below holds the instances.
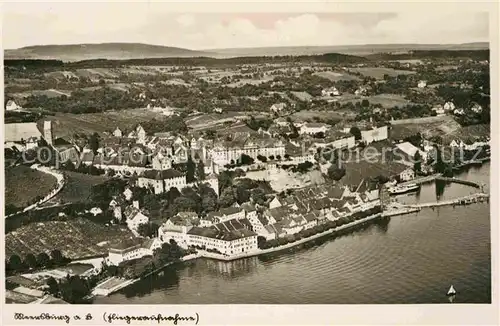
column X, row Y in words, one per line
column 409, row 259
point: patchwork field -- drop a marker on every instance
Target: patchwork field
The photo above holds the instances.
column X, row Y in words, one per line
column 23, row 185
column 335, row 76
column 378, row 72
column 482, row 130
column 76, row 239
column 388, row 100
column 61, row 74
column 68, row 124
column 429, row 127
column 97, row 73
column 250, row 81
column 206, row 121
column 50, row 93
column 303, row 96
column 323, row 115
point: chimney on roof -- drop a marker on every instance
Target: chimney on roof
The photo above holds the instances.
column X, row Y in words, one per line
column 135, row 204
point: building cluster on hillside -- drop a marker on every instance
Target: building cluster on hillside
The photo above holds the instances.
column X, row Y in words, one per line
column 233, row 231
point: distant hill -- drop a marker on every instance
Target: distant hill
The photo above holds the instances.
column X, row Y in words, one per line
column 111, row 51
column 129, row 51
column 48, row 65
column 359, row 50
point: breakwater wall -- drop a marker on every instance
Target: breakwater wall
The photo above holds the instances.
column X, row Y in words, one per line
column 474, row 198
column 461, row 181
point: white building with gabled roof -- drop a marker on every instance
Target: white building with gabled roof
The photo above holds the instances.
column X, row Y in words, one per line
column 118, row 132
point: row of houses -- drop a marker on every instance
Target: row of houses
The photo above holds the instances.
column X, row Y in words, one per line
column 234, row 230
column 229, row 234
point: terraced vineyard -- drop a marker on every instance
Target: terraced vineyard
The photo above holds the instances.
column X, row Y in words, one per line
column 76, row 239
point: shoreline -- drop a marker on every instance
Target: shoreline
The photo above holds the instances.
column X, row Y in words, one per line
column 291, row 244
column 208, row 255
column 128, row 282
column 404, row 210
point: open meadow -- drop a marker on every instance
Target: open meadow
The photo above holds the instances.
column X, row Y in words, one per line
column 379, row 72
column 385, row 100
column 50, row 93
column 335, row 76
column 77, row 188
column 310, row 115
column 206, row 121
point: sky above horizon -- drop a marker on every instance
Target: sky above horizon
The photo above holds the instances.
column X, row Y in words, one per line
column 156, row 23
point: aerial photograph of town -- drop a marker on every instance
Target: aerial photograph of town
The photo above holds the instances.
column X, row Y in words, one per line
column 257, row 158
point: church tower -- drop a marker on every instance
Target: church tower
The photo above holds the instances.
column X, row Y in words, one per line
column 47, row 132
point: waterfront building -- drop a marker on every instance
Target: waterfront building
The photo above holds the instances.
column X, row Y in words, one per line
column 407, row 175
column 130, row 249
column 177, row 227
column 409, row 150
column 229, row 238
column 226, row 214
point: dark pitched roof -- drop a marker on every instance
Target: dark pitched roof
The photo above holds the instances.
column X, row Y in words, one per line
column 227, row 231
column 184, row 218
column 335, row 192
column 126, row 245
column 161, row 174
column 230, row 210
column 138, row 160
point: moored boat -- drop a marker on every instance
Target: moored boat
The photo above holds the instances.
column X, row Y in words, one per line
column 451, row 291
column 396, row 190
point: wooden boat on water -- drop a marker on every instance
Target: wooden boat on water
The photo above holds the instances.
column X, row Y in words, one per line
column 397, row 190
column 451, row 291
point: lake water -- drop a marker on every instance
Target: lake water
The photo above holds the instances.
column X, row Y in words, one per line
column 408, row 259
